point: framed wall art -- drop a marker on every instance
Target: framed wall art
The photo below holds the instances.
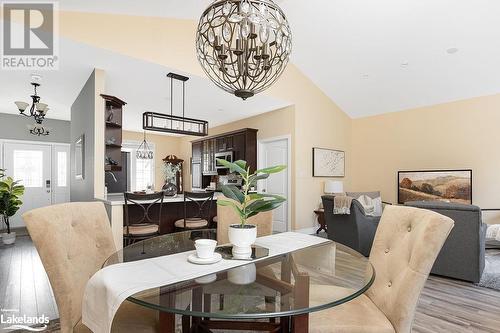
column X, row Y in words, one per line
column 328, row 162
column 435, row 185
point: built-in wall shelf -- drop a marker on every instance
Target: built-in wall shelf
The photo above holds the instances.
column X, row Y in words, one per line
column 113, row 118
column 112, row 168
column 112, row 124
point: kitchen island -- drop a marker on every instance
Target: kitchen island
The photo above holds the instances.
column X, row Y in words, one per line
column 172, row 210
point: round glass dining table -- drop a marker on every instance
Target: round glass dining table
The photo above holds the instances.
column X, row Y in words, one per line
column 271, row 293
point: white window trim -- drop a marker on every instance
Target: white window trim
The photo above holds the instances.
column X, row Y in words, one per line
column 130, row 147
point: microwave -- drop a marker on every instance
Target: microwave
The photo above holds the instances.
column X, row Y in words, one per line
column 228, row 156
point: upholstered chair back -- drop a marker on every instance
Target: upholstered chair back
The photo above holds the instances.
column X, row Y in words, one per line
column 73, row 240
column 227, row 216
column 406, row 244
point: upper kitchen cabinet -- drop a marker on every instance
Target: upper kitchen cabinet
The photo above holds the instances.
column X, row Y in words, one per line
column 236, row 145
column 197, row 152
column 208, row 157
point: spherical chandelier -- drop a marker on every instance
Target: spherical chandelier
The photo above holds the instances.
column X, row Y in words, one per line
column 243, row 45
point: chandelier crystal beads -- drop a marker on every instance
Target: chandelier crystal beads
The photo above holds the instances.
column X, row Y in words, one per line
column 243, row 45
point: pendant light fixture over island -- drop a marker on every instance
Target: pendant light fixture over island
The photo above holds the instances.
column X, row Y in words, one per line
column 168, row 123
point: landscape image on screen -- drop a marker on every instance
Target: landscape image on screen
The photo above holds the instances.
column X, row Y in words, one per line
column 449, row 186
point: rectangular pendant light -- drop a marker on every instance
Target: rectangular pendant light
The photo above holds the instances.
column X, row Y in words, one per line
column 168, row 123
column 161, row 122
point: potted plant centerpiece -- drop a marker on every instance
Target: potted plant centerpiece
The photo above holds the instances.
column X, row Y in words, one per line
column 10, row 202
column 246, row 204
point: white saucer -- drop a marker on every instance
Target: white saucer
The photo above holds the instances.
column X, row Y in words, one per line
column 193, row 258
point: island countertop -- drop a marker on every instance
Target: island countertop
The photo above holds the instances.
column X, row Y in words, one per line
column 118, row 199
column 173, row 211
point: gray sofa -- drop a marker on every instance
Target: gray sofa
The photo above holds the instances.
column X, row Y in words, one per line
column 355, row 230
column 462, row 256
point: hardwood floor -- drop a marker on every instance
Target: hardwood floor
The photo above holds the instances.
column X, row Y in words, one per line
column 454, row 306
column 24, row 285
column 445, row 305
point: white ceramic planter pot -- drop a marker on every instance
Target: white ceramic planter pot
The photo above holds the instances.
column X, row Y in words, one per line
column 242, row 275
column 9, row 239
column 242, row 238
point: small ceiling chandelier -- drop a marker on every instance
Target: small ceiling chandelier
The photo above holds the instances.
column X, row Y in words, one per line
column 144, row 152
column 38, row 130
column 168, row 123
column 37, row 110
column 243, row 45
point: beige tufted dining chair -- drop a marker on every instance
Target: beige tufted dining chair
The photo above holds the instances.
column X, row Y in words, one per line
column 73, row 241
column 406, row 245
column 227, row 216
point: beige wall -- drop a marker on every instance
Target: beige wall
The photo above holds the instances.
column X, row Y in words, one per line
column 457, row 135
column 169, row 42
column 164, row 145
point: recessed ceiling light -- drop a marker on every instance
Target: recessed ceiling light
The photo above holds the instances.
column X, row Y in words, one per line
column 404, row 64
column 365, row 76
column 220, row 110
column 452, row 50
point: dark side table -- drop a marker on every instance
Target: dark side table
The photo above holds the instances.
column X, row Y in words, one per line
column 320, row 213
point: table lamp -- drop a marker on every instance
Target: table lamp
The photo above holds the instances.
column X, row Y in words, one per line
column 334, row 186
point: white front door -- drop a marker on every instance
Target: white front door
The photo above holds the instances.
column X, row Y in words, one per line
column 273, row 153
column 31, row 165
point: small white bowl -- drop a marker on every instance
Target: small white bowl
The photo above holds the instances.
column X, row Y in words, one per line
column 205, row 248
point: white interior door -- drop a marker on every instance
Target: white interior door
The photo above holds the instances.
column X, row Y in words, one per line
column 31, row 165
column 60, row 174
column 273, row 153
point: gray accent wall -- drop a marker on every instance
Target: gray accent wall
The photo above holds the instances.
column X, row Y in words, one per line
column 14, row 127
column 82, row 122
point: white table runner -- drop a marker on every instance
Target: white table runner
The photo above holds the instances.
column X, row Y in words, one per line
column 109, row 287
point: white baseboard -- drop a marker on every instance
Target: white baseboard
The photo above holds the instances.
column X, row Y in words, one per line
column 308, row 231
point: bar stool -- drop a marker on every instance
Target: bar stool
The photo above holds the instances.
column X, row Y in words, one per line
column 201, row 217
column 143, row 222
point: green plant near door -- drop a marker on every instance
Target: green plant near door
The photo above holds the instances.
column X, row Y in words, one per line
column 250, row 204
column 10, row 198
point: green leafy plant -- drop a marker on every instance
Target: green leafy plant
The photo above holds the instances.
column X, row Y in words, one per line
column 249, row 204
column 10, row 198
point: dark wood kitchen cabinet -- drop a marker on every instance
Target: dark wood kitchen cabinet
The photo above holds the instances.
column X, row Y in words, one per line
column 196, row 169
column 208, row 157
column 242, row 143
column 225, row 144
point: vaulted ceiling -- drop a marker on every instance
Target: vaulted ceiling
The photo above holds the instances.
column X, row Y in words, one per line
column 373, row 57
column 369, row 57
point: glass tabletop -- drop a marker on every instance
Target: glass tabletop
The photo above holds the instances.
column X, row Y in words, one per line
column 299, row 282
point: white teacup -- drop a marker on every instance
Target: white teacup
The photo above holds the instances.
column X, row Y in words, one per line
column 205, row 248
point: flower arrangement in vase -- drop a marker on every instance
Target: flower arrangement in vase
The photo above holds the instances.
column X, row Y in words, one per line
column 170, row 171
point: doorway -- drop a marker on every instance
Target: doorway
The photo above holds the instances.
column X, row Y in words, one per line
column 271, row 152
column 43, row 169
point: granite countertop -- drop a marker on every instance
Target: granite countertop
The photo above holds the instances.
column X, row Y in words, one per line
column 117, row 199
